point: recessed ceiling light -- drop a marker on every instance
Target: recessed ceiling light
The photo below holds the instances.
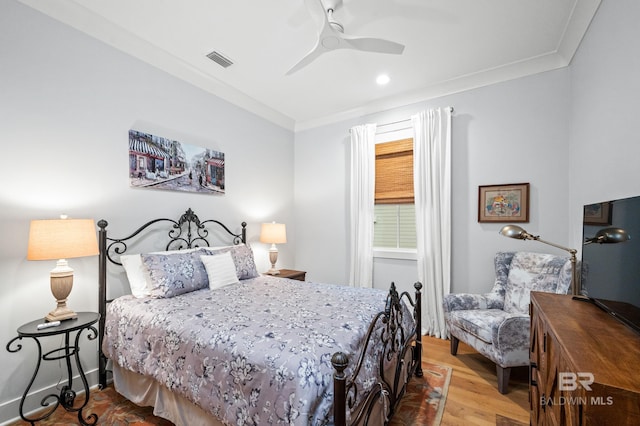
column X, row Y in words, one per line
column 382, row 79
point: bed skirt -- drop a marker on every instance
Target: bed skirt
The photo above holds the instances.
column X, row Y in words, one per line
column 147, row 392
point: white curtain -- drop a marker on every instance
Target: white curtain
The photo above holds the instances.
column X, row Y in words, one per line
column 432, row 192
column 363, row 177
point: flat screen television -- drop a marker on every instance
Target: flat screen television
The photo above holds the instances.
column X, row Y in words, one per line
column 612, row 278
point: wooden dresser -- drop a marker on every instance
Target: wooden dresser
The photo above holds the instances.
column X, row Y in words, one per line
column 585, row 365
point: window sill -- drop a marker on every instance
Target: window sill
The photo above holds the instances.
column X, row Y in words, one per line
column 390, row 253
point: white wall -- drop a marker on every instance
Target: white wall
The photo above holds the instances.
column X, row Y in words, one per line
column 605, row 143
column 510, row 132
column 67, row 102
column 570, row 133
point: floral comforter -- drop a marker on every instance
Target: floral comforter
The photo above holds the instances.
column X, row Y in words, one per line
column 255, row 353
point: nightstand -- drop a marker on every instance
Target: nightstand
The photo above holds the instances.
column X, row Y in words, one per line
column 84, row 321
column 292, row 274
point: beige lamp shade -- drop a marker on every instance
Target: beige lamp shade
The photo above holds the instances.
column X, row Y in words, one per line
column 61, row 239
column 273, row 233
column 52, row 239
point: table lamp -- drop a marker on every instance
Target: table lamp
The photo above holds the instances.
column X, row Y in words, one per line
column 61, row 239
column 273, row 233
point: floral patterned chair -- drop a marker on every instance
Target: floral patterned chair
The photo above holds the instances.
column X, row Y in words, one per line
column 497, row 323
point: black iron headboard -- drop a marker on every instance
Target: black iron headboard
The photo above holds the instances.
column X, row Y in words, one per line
column 185, row 233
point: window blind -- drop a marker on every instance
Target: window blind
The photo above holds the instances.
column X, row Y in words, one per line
column 394, row 172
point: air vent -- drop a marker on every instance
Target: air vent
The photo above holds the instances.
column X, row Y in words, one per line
column 219, row 59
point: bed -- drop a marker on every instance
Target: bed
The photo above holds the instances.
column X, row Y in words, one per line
column 207, row 340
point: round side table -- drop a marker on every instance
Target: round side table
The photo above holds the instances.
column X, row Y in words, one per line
column 84, row 322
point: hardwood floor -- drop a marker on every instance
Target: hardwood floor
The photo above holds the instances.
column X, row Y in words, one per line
column 473, row 397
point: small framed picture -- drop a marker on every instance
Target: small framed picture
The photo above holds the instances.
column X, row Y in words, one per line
column 598, row 214
column 503, row 203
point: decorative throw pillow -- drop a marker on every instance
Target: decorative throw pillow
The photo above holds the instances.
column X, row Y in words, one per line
column 245, row 264
column 137, row 275
column 242, row 256
column 174, row 274
column 220, row 269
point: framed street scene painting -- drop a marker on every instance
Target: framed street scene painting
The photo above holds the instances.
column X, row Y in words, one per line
column 160, row 163
column 503, row 203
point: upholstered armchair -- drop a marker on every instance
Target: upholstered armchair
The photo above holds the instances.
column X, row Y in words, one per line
column 497, row 323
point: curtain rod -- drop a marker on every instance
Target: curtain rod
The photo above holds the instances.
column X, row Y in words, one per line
column 398, row 122
column 403, row 121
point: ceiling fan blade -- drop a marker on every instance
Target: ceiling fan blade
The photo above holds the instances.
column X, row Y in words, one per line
column 331, row 37
column 328, row 39
column 377, row 45
column 307, row 59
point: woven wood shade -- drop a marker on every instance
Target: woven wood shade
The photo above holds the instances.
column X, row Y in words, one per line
column 394, row 172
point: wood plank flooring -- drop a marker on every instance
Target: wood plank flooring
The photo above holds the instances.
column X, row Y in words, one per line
column 473, row 397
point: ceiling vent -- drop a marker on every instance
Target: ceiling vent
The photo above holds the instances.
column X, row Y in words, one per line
column 219, row 59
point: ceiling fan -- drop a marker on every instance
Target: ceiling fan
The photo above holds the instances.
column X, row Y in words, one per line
column 332, row 37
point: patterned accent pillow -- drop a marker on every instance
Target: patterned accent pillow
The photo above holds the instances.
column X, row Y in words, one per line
column 137, row 275
column 174, row 274
column 242, row 257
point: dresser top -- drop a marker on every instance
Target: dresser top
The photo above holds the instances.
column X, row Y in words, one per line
column 592, row 340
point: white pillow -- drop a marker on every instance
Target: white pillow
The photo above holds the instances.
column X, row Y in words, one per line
column 134, row 268
column 137, row 274
column 220, row 269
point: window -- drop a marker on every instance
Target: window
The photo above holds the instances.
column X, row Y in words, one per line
column 395, row 223
column 395, row 226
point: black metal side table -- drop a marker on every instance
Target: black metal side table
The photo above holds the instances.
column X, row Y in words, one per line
column 84, row 321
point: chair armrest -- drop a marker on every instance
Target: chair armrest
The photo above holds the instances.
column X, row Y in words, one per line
column 512, row 335
column 467, row 301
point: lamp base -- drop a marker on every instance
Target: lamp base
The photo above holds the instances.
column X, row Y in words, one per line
column 61, row 314
column 61, row 285
column 273, row 258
